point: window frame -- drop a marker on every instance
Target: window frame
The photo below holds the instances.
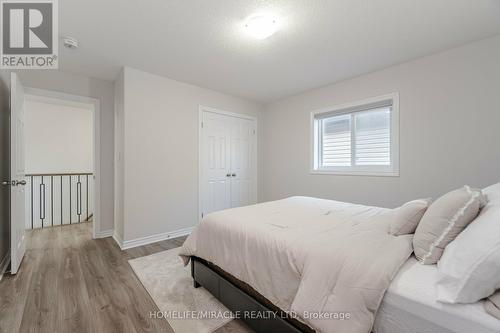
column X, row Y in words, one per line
column 349, row 108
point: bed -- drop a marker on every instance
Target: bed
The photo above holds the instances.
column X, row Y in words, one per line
column 301, row 256
column 410, row 306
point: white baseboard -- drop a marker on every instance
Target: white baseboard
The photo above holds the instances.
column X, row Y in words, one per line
column 105, row 233
column 4, row 264
column 151, row 239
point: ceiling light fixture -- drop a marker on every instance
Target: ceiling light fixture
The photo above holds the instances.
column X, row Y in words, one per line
column 261, row 26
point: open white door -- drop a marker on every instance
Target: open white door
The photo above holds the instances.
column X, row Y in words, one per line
column 17, row 172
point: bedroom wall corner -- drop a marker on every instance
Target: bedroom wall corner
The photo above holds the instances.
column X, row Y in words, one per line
column 119, row 153
column 160, row 153
column 448, row 110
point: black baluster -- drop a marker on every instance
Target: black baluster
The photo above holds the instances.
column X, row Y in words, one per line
column 87, row 195
column 70, row 212
column 52, row 200
column 61, row 187
column 79, row 199
column 31, row 202
column 42, row 202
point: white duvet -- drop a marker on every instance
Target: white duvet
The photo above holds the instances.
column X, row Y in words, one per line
column 321, row 259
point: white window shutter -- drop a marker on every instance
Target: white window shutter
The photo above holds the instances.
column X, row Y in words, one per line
column 336, row 141
column 373, row 137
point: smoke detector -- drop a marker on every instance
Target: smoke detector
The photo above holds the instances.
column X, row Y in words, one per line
column 70, row 42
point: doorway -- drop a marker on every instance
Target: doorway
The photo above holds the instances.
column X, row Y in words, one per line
column 58, row 161
column 228, row 160
column 55, row 173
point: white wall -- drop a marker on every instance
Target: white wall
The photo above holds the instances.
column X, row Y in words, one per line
column 160, row 151
column 449, row 118
column 58, row 138
column 95, row 88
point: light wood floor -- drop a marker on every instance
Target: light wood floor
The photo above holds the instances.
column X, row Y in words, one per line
column 69, row 282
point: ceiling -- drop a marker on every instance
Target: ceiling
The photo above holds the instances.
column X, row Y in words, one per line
column 321, row 41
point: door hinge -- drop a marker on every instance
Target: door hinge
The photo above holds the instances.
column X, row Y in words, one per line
column 201, row 124
column 202, row 215
column 254, row 132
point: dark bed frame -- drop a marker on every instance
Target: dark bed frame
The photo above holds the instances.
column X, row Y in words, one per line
column 240, row 298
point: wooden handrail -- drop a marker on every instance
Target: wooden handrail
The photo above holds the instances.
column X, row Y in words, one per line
column 59, row 174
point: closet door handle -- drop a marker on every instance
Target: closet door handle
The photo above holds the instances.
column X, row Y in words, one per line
column 233, row 175
column 228, row 175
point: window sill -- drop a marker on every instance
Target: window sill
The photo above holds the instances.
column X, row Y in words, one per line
column 355, row 173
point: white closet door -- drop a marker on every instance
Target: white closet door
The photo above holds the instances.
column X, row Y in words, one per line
column 242, row 135
column 227, row 161
column 215, row 154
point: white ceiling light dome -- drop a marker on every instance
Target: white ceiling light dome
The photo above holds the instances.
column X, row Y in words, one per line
column 261, row 26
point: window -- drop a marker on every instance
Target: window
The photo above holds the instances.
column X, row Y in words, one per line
column 359, row 139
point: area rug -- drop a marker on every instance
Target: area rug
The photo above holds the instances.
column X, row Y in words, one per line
column 170, row 285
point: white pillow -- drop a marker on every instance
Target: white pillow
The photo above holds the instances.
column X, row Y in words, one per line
column 469, row 269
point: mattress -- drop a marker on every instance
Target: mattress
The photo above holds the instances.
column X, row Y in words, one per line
column 327, row 261
column 410, row 305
